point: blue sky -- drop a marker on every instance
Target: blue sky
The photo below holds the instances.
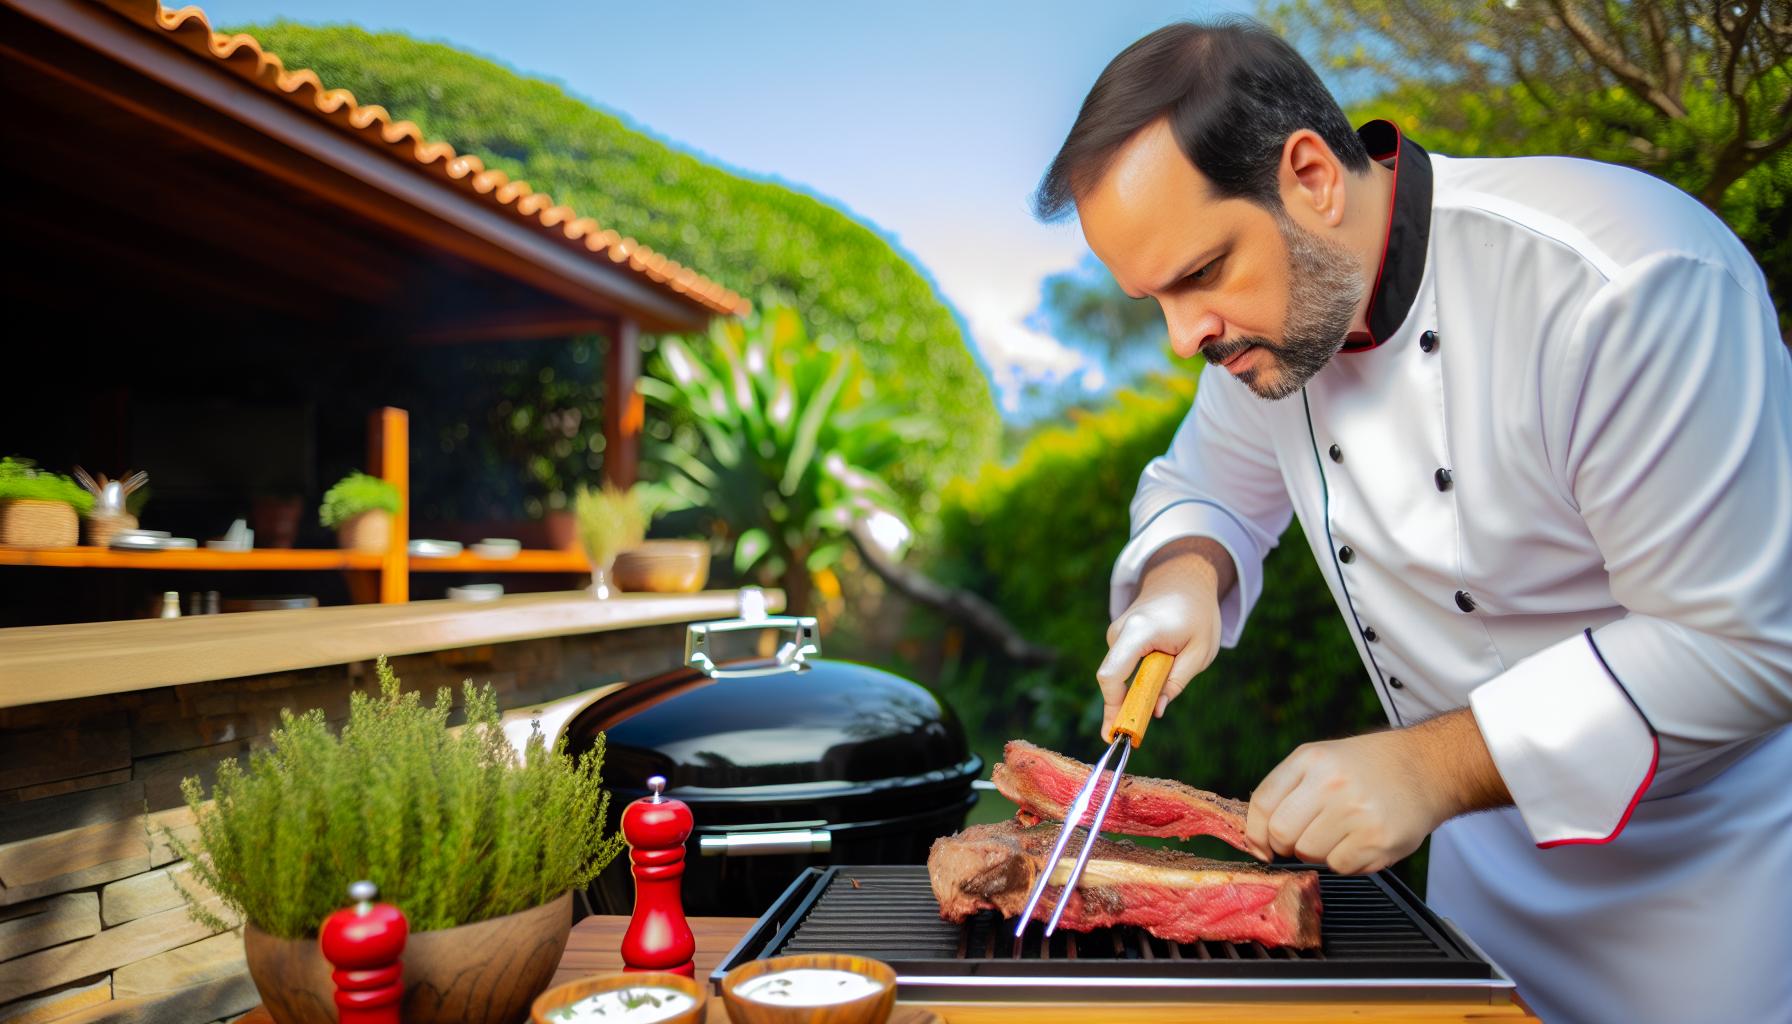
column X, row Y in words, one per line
column 932, row 120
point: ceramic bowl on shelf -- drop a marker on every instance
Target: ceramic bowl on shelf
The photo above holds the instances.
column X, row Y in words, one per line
column 810, row 988
column 476, row 592
column 497, row 548
column 645, row 997
column 426, row 548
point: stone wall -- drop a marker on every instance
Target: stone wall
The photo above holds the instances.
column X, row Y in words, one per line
column 93, row 926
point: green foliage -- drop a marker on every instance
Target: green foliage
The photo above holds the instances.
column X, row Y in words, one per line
column 1039, row 538
column 21, row 480
column 447, row 822
column 1509, row 79
column 782, row 442
column 611, row 520
column 845, row 280
column 354, row 494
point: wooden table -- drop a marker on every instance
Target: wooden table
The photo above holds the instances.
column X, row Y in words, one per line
column 593, row 949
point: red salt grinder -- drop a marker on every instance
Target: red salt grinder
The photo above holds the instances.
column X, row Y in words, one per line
column 658, row 937
column 363, row 943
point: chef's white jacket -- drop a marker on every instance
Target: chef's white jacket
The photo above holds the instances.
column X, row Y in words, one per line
column 1552, row 483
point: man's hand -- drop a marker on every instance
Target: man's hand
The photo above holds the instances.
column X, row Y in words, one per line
column 1360, row 804
column 1177, row 612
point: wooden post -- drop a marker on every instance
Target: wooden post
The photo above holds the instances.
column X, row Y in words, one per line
column 624, row 410
column 389, row 458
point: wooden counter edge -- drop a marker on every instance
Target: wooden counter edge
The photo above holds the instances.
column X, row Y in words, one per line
column 593, row 948
column 49, row 663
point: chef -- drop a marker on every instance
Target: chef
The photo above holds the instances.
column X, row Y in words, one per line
column 1535, row 418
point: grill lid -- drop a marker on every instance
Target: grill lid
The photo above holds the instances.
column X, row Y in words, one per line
column 829, row 728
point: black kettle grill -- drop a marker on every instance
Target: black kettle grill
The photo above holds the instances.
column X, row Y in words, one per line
column 787, row 762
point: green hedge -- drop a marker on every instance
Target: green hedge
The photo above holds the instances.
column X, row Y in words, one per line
column 751, row 235
column 1039, row 538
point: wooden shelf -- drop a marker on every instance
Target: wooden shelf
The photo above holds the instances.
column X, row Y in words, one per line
column 525, row 561
column 285, row 559
column 46, row 663
column 190, row 558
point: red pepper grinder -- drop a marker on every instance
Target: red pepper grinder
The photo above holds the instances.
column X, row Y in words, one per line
column 658, row 937
column 363, row 942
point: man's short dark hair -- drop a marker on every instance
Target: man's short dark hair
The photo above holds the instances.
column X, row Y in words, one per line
column 1233, row 91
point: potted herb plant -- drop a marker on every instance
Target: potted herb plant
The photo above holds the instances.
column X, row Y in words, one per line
column 360, row 509
column 39, row 509
column 611, row 520
column 479, row 847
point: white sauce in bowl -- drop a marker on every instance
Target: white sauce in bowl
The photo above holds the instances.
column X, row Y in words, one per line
column 807, row 986
column 641, row 1004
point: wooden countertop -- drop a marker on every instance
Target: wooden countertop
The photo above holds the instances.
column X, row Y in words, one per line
column 46, row 663
column 596, row 941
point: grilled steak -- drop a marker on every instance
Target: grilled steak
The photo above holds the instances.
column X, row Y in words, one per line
column 1044, row 783
column 1173, row 895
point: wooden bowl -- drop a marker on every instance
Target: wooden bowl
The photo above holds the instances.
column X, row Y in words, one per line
column 664, row 566
column 480, row 973
column 573, row 991
column 868, row 1009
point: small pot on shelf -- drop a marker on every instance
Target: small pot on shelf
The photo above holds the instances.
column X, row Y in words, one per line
column 562, row 529
column 30, row 523
column 368, row 532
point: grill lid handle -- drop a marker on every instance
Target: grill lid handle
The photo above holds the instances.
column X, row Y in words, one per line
column 749, row 844
column 790, row 657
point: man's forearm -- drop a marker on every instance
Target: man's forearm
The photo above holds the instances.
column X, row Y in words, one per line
column 1202, row 557
column 1450, row 758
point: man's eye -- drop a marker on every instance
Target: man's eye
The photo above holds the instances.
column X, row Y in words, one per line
column 1206, row 272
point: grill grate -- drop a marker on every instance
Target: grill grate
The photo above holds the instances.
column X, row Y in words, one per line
column 889, row 913
column 1376, row 939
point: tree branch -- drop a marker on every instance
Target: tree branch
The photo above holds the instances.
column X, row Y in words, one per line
column 1613, row 60
column 1673, row 63
column 958, row 605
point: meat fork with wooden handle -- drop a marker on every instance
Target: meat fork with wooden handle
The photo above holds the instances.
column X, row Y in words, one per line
column 1135, row 714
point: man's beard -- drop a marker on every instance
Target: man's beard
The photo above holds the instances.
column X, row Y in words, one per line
column 1327, row 284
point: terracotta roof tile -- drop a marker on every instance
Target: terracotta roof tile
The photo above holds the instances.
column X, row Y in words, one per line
column 243, row 55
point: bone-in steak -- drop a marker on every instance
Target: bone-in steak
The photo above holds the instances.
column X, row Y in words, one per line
column 1173, row 895
column 1044, row 783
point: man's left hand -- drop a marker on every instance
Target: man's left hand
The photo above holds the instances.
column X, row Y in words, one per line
column 1360, row 804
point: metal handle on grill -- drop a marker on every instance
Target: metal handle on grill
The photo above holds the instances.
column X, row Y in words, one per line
column 791, row 653
column 752, row 844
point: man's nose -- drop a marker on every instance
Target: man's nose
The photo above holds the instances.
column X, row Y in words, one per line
column 1189, row 332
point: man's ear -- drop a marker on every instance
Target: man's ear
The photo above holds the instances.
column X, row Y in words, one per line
column 1311, row 177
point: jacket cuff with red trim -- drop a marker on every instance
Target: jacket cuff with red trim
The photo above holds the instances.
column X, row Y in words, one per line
column 1193, row 518
column 1575, row 752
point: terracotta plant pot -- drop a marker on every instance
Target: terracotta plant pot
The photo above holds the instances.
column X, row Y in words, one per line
column 275, row 521
column 484, row 973
column 563, row 529
column 368, row 532
column 29, row 523
column 664, row 566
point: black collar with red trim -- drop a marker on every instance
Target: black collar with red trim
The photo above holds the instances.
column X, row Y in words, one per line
column 1409, row 231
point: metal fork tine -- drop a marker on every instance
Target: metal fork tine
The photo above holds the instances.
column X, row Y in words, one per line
column 1082, row 858
column 1072, row 815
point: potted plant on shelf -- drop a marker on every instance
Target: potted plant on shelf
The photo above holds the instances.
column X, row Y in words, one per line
column 479, row 847
column 360, row 509
column 611, row 520
column 39, row 509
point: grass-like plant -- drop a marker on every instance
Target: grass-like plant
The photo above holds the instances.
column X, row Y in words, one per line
column 354, row 494
column 21, row 480
column 610, row 520
column 451, row 825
